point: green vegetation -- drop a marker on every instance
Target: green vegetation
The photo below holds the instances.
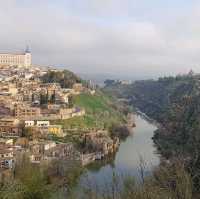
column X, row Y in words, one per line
column 169, row 182
column 82, row 122
column 101, row 107
column 92, row 103
column 39, row 182
column 65, row 78
column 174, row 103
column 101, row 113
column 29, row 183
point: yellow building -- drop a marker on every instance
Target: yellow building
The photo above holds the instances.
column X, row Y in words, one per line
column 56, row 130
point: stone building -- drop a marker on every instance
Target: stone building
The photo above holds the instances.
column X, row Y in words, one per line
column 6, row 158
column 10, row 127
column 21, row 59
column 23, row 111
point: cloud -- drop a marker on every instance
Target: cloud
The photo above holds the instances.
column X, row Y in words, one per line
column 101, row 37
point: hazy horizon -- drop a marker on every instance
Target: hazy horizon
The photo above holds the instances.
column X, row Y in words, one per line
column 128, row 38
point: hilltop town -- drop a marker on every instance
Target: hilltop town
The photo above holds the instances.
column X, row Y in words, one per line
column 36, row 108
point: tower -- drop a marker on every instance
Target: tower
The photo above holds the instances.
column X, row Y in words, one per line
column 27, row 49
column 27, row 59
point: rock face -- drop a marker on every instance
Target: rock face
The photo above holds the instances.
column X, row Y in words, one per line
column 96, row 146
column 100, row 142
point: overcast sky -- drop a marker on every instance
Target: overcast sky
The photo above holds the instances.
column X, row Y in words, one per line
column 128, row 37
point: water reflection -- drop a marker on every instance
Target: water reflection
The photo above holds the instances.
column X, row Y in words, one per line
column 139, row 145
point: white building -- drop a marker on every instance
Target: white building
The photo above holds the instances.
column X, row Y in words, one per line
column 43, row 123
column 22, row 60
column 29, row 123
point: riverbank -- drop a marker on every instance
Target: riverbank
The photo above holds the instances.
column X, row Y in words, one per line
column 138, row 146
column 146, row 117
column 174, row 103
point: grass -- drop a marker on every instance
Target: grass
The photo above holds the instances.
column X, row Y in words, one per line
column 101, row 113
column 92, row 103
column 101, row 108
column 82, row 122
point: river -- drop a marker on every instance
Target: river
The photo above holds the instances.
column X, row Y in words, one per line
column 138, row 146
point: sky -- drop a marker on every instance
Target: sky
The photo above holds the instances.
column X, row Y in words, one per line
column 129, row 38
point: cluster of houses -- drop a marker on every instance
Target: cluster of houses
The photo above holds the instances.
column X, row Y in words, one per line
column 28, row 108
column 96, row 146
column 29, row 105
column 25, row 97
column 37, row 150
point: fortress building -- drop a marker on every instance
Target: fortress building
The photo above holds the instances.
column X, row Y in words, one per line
column 11, row 59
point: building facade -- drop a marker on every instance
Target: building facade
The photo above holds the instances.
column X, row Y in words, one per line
column 23, row 111
column 21, row 60
column 10, row 127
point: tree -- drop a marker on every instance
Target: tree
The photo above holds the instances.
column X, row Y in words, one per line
column 70, row 101
column 65, row 78
column 43, row 99
column 29, row 182
column 53, row 98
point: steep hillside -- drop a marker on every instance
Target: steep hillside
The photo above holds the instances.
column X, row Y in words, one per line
column 101, row 112
column 101, row 109
column 175, row 103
